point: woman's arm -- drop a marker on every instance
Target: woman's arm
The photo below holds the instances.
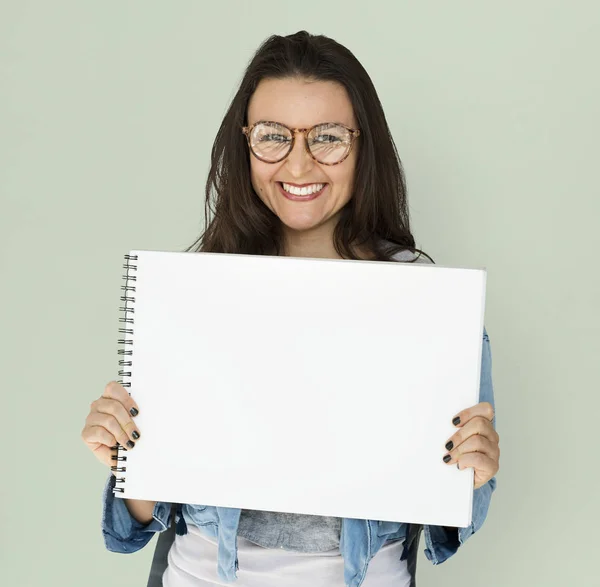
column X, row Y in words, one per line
column 129, row 524
column 141, row 510
column 442, row 542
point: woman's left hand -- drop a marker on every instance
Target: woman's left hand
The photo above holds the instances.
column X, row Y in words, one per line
column 476, row 444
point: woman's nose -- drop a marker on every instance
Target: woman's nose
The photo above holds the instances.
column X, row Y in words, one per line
column 299, row 160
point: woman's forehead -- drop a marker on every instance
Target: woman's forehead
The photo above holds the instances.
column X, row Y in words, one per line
column 299, row 103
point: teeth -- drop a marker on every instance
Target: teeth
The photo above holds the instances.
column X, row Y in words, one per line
column 304, row 191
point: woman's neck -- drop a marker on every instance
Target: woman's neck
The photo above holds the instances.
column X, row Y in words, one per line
column 316, row 244
column 315, row 249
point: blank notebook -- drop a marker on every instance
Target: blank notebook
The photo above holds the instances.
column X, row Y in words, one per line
column 312, row 386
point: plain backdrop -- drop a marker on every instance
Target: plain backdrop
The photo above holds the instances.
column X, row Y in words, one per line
column 108, row 111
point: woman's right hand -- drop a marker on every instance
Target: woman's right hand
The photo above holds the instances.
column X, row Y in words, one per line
column 110, row 421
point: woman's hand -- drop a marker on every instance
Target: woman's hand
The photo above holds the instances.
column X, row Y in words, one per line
column 110, row 421
column 476, row 444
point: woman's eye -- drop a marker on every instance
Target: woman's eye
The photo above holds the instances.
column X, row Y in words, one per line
column 327, row 139
column 274, row 137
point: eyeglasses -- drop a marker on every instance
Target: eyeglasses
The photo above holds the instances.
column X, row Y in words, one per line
column 328, row 143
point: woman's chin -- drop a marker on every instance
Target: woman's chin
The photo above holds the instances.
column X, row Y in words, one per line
column 300, row 224
column 302, row 216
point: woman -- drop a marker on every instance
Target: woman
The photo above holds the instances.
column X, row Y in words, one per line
column 303, row 165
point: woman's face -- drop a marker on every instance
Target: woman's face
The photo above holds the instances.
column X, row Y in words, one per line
column 298, row 103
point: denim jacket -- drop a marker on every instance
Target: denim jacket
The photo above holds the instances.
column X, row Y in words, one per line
column 360, row 539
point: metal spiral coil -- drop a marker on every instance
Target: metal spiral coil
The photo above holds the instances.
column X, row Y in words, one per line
column 127, row 318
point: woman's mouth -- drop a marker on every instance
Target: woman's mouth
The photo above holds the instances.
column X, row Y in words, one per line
column 303, row 194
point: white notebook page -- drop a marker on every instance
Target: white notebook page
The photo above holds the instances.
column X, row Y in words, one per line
column 298, row 385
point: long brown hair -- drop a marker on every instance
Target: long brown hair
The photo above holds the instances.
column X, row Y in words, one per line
column 376, row 218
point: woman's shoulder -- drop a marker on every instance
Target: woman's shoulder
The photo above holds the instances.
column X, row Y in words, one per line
column 406, row 256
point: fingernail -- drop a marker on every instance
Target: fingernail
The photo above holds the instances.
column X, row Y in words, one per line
column 449, row 445
column 133, row 412
column 135, row 434
column 447, row 458
column 130, row 443
column 456, row 421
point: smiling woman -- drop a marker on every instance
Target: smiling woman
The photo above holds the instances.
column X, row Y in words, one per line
column 308, row 213
column 306, row 115
column 303, row 165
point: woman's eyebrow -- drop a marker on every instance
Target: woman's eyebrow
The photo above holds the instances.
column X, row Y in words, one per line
column 332, row 121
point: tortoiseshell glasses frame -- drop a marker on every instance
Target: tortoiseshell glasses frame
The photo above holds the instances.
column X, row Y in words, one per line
column 354, row 133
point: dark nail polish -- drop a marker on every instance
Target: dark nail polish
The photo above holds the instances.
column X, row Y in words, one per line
column 456, row 421
column 133, row 412
column 130, row 443
column 449, row 445
column 447, row 458
column 135, row 434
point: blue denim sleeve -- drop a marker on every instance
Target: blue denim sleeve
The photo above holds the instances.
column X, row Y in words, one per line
column 121, row 531
column 442, row 543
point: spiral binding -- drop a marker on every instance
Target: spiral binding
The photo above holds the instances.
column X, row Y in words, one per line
column 126, row 319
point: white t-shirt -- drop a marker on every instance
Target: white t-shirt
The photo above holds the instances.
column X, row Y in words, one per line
column 192, row 562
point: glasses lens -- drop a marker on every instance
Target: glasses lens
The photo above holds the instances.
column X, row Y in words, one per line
column 329, row 143
column 270, row 141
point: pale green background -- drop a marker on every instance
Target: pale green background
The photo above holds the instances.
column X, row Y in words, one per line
column 108, row 111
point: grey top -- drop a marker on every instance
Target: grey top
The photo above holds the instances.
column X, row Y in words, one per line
column 298, row 532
